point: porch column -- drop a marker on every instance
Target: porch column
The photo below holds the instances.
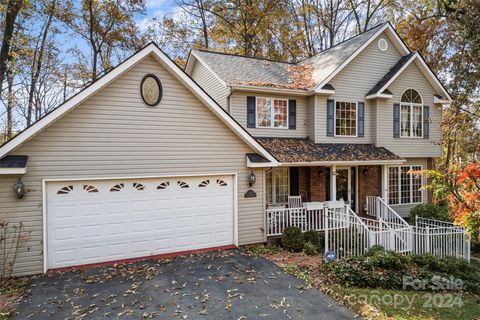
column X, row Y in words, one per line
column 385, row 182
column 333, row 183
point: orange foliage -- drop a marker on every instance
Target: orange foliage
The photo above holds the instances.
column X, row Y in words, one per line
column 465, row 198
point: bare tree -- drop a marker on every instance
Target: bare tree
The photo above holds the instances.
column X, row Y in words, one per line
column 13, row 8
column 38, row 57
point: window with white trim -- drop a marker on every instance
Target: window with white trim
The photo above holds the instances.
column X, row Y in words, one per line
column 411, row 114
column 276, row 183
column 272, row 113
column 405, row 184
column 346, row 119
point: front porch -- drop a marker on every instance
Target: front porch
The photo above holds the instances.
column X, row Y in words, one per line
column 325, row 184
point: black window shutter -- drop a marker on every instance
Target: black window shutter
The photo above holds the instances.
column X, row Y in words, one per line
column 292, row 114
column 294, row 191
column 361, row 119
column 330, row 117
column 396, row 120
column 251, row 112
column 426, row 122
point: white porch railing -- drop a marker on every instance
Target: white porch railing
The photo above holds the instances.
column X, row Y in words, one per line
column 348, row 234
column 345, row 233
column 378, row 208
column 280, row 218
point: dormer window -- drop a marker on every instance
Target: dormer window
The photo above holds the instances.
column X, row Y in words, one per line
column 411, row 115
column 272, row 113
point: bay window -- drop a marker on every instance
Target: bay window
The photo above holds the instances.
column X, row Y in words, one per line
column 404, row 185
column 411, row 114
column 276, row 183
column 272, row 113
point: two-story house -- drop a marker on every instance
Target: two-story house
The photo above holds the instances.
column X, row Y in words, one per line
column 350, row 122
column 151, row 159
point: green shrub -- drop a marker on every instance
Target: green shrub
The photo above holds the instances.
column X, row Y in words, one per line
column 376, row 249
column 292, row 239
column 314, row 238
column 310, row 249
column 385, row 269
column 429, row 211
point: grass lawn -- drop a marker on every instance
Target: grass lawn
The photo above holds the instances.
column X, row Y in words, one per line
column 378, row 303
column 399, row 304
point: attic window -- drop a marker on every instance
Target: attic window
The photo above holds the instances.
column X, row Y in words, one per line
column 382, row 45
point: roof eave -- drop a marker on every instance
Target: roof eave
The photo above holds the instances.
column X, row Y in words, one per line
column 378, row 96
column 296, row 92
column 340, row 163
column 437, row 100
column 13, row 171
column 251, row 164
column 325, row 92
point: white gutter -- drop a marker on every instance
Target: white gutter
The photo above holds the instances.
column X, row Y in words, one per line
column 236, row 87
column 339, row 163
column 15, row 171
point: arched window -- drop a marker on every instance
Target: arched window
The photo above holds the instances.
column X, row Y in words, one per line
column 411, row 114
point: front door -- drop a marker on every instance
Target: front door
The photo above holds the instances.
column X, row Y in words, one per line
column 346, row 185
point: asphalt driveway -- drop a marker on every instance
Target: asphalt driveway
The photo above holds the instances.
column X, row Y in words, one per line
column 214, row 285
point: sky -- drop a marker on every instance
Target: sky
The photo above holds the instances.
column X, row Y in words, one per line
column 157, row 9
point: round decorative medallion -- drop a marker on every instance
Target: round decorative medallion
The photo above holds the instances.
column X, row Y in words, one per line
column 151, row 90
column 382, row 45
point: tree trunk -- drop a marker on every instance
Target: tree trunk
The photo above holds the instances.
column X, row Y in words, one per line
column 13, row 8
column 9, row 104
column 38, row 63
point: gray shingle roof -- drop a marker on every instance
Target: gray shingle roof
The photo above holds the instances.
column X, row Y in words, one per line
column 391, row 73
column 329, row 60
column 235, row 69
column 305, row 150
column 13, row 162
column 256, row 158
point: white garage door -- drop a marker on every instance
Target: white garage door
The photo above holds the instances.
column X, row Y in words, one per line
column 107, row 220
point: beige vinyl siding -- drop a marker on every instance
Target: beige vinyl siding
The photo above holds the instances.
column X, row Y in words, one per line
column 311, row 117
column 211, row 84
column 113, row 134
column 411, row 78
column 404, row 209
column 238, row 109
column 352, row 84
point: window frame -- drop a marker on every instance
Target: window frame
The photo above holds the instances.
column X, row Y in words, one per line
column 399, row 185
column 335, row 119
column 411, row 106
column 272, row 117
column 274, row 184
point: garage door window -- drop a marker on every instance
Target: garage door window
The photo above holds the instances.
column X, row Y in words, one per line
column 89, row 188
column 65, row 190
column 117, row 187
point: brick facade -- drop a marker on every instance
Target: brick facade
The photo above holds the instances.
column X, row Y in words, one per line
column 369, row 184
column 313, row 183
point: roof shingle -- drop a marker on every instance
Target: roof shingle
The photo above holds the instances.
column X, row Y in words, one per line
column 305, row 150
column 391, row 73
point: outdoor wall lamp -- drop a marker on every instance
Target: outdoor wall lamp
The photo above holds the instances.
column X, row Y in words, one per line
column 19, row 188
column 365, row 171
column 251, row 179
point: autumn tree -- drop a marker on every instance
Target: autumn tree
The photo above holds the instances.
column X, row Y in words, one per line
column 106, row 26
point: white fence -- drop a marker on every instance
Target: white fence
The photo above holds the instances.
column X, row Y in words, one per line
column 345, row 233
column 349, row 235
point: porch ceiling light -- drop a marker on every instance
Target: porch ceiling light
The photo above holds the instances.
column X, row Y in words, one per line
column 19, row 189
column 251, row 179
